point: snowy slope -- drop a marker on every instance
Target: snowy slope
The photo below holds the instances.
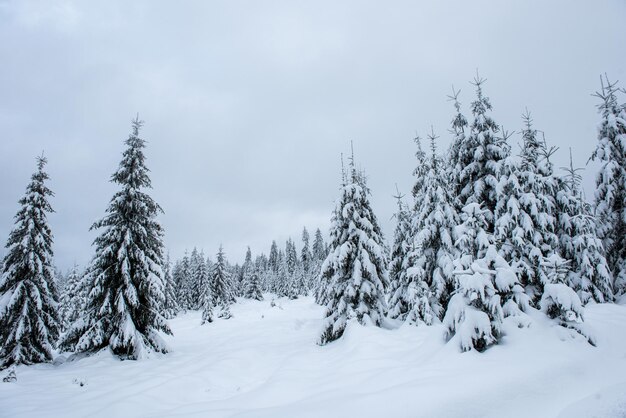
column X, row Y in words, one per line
column 264, row 363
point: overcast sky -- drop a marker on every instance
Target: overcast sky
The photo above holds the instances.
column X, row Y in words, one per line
column 248, row 104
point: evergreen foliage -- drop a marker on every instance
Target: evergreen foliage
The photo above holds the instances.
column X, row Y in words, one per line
column 481, row 158
column 430, row 260
column 253, row 288
column 487, row 288
column 402, row 244
column 29, row 318
column 221, row 287
column 458, row 157
column 170, row 303
column 124, row 281
column 73, row 298
column 356, row 267
column 589, row 274
column 198, row 280
column 182, row 280
column 525, row 228
column 610, row 196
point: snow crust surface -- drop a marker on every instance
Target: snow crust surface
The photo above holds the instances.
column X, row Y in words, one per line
column 264, row 362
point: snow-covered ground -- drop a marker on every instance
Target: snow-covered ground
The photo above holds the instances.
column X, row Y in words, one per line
column 264, row 363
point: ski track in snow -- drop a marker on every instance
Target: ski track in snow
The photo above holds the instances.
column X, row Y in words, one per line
column 264, row 362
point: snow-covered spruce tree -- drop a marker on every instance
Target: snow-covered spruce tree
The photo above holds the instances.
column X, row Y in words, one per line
column 60, row 279
column 421, row 170
column 319, row 248
column 269, row 281
column 430, row 259
column 272, row 268
column 525, row 226
column 282, row 277
column 260, row 266
column 589, row 274
column 72, row 299
column 402, row 242
column 318, row 254
column 246, row 272
column 124, row 280
column 399, row 302
column 487, row 288
column 199, row 279
column 29, row 322
column 190, row 285
column 235, row 274
column 296, row 285
column 291, row 257
column 322, row 291
column 458, row 155
column 260, row 263
column 306, row 261
column 221, row 286
column 610, row 196
column 356, row 267
column 481, row 158
column 253, row 287
column 401, row 290
column 207, row 308
column 290, row 281
column 170, row 304
column 273, row 258
column 182, row 279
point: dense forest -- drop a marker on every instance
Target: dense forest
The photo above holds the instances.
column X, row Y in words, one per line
column 488, row 232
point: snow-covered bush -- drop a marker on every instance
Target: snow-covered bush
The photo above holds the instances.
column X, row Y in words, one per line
column 561, row 302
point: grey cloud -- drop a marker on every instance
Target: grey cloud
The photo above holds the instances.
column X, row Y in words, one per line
column 249, row 104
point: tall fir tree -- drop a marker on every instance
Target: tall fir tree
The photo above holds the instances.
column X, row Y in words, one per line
column 272, row 269
column 356, row 267
column 73, row 298
column 283, row 279
column 458, row 157
column 253, row 287
column 430, row 260
column 318, row 252
column 261, row 267
column 610, row 196
column 60, row 279
column 170, row 303
column 273, row 258
column 222, row 295
column 29, row 321
column 247, row 270
column 419, row 173
column 589, row 274
column 487, row 288
column 525, row 227
column 291, row 257
column 190, row 279
column 198, row 279
column 182, row 280
column 125, row 278
column 481, row 158
column 402, row 244
column 306, row 261
column 318, row 249
column 405, row 296
column 305, row 253
column 207, row 308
